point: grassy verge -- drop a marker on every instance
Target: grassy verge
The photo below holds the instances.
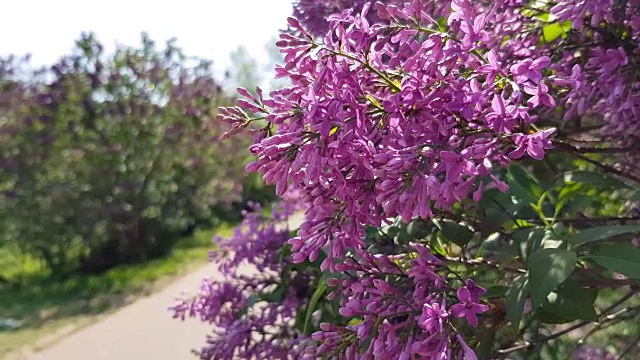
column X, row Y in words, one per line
column 48, row 308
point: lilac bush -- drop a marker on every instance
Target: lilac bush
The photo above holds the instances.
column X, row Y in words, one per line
column 107, row 159
column 468, row 174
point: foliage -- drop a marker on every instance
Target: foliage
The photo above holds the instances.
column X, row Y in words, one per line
column 470, row 178
column 108, row 159
column 43, row 307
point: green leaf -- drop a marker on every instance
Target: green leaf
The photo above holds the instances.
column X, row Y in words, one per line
column 419, row 229
column 522, row 185
column 515, row 299
column 572, row 302
column 490, row 244
column 548, row 268
column 494, row 219
column 455, row 232
column 313, row 302
column 487, row 338
column 602, row 233
column 528, row 240
column 495, row 291
column 300, row 319
column 554, row 30
column 403, row 236
column 252, row 300
column 277, row 296
column 547, row 317
column 435, row 244
column 543, row 17
column 372, row 234
column 552, row 237
column 591, row 178
column 622, row 258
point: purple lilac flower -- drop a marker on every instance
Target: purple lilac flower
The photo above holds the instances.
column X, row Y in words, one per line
column 433, row 317
column 468, row 307
column 262, row 332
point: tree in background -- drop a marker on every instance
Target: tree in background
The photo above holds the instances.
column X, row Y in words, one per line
column 108, row 159
column 244, row 70
column 470, row 178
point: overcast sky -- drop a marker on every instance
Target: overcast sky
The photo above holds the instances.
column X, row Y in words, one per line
column 205, row 28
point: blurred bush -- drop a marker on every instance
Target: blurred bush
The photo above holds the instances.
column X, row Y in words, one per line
column 108, row 159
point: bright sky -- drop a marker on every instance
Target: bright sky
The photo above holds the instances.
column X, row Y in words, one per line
column 206, row 28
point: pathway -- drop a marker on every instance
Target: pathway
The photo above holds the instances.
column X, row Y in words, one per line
column 142, row 330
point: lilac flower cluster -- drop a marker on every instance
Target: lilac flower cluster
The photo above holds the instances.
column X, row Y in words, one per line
column 399, row 118
column 314, row 13
column 392, row 120
column 402, row 309
column 601, row 71
column 408, row 110
column 246, row 324
column 595, row 64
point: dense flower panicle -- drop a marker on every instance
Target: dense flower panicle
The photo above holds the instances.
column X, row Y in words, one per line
column 254, row 241
column 602, row 79
column 597, row 79
column 387, row 120
column 245, row 326
column 314, row 13
column 402, row 310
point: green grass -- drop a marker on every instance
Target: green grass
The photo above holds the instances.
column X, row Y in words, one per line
column 48, row 307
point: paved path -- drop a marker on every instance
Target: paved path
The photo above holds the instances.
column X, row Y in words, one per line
column 143, row 330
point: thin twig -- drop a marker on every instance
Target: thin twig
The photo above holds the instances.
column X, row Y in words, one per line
column 603, row 317
column 589, row 220
column 576, row 152
column 612, row 283
column 483, row 262
column 610, row 150
column 610, row 318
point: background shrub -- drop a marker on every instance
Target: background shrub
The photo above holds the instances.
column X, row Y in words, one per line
column 108, row 159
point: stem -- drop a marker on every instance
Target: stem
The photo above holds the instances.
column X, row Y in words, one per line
column 364, row 64
column 609, row 150
column 602, row 318
column 483, row 262
column 575, row 151
column 613, row 283
column 622, row 219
